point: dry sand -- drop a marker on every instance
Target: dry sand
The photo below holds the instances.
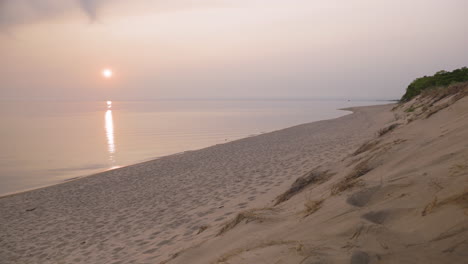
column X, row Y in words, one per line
column 405, row 202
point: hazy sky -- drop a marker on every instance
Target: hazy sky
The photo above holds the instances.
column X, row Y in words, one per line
column 56, row 49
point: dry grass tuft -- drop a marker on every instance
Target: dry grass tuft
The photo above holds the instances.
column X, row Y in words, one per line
column 410, row 109
column 313, row 177
column 351, row 179
column 439, row 93
column 247, row 216
column 312, row 206
column 460, row 199
column 361, row 169
column 459, row 169
column 366, row 147
column 428, row 209
column 388, row 129
column 173, row 256
column 436, row 109
column 202, row 228
column 398, row 105
column 457, row 91
column 344, row 185
column 430, row 100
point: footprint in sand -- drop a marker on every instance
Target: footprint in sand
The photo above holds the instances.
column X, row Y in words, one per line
column 360, row 257
column 242, row 205
column 362, row 198
column 386, row 216
column 150, row 251
column 374, row 194
column 219, row 219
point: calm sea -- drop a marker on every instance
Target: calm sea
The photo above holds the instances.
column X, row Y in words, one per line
column 43, row 143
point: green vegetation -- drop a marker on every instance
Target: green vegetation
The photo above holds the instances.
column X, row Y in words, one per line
column 410, row 109
column 385, row 130
column 440, row 79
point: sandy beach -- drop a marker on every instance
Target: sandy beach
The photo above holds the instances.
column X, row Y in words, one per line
column 145, row 212
column 399, row 199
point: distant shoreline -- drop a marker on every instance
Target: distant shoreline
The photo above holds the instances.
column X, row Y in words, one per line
column 36, row 168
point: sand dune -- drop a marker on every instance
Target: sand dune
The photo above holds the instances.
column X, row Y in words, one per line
column 402, row 198
column 365, row 195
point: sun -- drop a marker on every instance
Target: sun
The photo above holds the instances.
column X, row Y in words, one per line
column 107, row 73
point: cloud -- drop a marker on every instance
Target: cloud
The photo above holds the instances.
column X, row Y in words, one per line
column 18, row 12
column 90, row 8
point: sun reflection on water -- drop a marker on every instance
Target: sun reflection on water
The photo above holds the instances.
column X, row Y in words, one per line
column 109, row 125
column 110, row 132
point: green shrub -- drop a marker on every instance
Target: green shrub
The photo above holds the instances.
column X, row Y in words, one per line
column 441, row 78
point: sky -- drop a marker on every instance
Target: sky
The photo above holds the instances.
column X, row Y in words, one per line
column 230, row 49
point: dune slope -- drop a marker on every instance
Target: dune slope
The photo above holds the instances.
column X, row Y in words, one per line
column 402, row 197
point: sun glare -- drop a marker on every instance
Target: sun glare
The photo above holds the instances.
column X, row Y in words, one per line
column 107, row 73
